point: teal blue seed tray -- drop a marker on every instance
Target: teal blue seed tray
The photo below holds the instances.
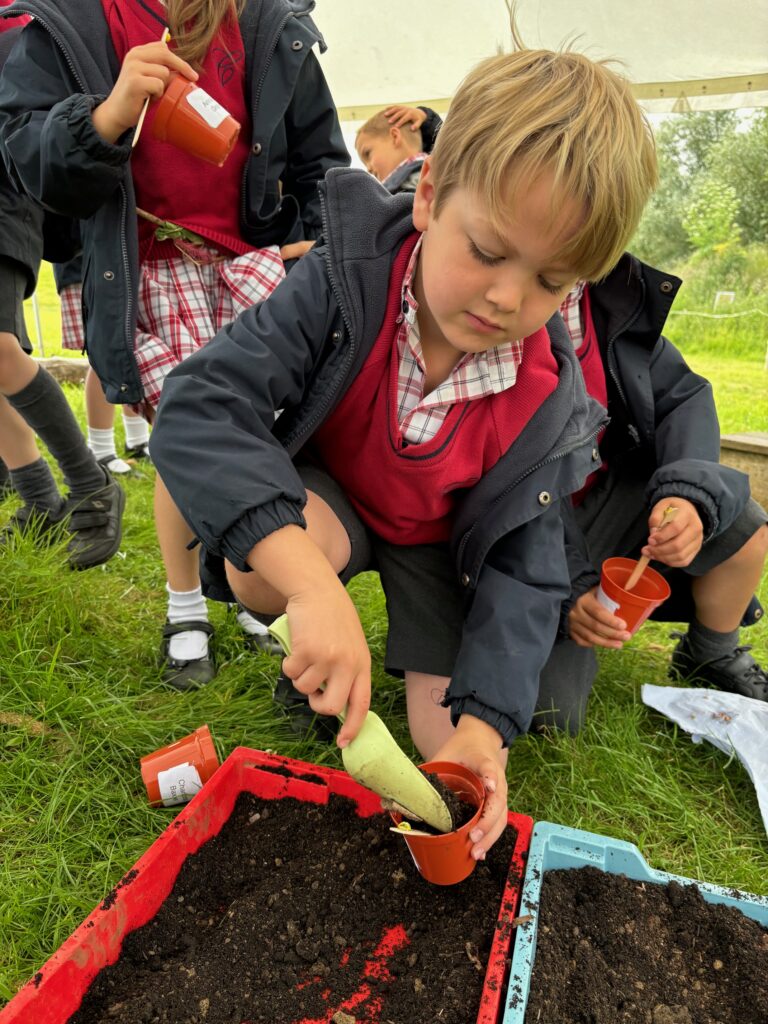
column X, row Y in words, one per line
column 555, row 846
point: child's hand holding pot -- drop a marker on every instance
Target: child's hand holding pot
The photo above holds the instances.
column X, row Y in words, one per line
column 591, row 624
column 145, row 74
column 678, row 542
column 477, row 746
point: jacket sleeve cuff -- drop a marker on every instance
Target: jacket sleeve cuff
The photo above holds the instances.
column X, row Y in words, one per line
column 80, row 123
column 503, row 724
column 705, row 504
column 256, row 524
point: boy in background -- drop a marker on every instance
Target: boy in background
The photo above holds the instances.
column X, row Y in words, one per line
column 434, row 413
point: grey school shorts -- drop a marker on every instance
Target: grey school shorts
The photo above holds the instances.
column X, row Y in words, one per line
column 13, row 285
column 426, row 609
column 614, row 520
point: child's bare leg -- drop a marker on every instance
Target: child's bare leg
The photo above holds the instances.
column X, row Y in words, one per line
column 327, row 532
column 186, row 649
column 99, row 412
column 429, row 722
column 173, row 535
column 722, row 594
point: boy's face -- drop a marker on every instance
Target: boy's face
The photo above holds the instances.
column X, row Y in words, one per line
column 478, row 284
column 381, row 154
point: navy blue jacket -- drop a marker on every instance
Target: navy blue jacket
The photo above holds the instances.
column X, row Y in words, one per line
column 299, row 351
column 663, row 421
column 65, row 65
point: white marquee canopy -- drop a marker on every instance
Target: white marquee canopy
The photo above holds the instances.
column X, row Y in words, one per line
column 680, row 54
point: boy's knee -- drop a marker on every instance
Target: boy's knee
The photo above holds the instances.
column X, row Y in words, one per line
column 11, row 355
column 564, row 687
column 755, row 550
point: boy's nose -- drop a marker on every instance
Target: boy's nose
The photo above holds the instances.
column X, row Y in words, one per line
column 506, row 293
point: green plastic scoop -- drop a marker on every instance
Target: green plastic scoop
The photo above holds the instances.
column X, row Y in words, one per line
column 374, row 759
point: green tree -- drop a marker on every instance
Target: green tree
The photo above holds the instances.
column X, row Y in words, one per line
column 710, row 216
column 741, row 160
column 685, row 145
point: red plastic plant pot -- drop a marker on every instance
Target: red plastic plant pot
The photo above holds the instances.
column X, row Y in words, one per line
column 57, row 990
column 190, row 119
column 634, row 606
column 176, row 773
column 446, row 859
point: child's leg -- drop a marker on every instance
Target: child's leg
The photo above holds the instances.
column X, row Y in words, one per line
column 565, row 684
column 428, row 721
column 28, row 473
column 136, row 435
column 186, row 650
column 725, row 575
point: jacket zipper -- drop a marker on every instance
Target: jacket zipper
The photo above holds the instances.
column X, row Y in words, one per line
column 532, row 469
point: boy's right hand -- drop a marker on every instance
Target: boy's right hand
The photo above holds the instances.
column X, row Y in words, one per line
column 146, row 72
column 590, row 624
column 328, row 647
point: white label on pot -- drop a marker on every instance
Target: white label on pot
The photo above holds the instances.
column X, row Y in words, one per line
column 211, row 112
column 178, row 784
column 606, row 601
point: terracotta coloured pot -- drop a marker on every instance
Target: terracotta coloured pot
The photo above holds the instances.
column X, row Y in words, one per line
column 174, row 774
column 634, row 606
column 188, row 118
column 446, row 859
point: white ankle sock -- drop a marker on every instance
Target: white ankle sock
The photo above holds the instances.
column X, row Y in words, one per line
column 251, row 625
column 101, row 442
column 136, row 431
column 186, row 606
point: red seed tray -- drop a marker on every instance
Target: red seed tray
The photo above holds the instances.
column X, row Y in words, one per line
column 56, row 991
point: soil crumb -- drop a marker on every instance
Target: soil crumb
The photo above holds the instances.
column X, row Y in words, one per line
column 614, row 951
column 298, row 913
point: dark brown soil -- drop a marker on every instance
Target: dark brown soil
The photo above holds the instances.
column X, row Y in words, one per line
column 611, row 950
column 295, row 912
column 461, row 811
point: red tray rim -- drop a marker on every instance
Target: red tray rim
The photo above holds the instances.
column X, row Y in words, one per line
column 306, row 781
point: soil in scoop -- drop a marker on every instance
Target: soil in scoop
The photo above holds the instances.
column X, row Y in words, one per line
column 288, row 904
column 611, row 950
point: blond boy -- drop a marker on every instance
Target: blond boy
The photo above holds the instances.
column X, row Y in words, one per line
column 434, row 412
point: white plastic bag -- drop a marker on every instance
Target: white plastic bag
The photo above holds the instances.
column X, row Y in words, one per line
column 733, row 723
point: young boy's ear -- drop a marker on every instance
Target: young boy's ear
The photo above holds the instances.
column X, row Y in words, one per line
column 424, row 198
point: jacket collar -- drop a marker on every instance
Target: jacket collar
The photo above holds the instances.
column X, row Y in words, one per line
column 636, row 297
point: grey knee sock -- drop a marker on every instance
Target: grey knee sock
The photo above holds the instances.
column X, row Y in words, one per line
column 5, row 475
column 44, row 406
column 707, row 644
column 37, row 487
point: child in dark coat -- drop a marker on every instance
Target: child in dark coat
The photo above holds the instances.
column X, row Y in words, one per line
column 434, row 414
column 662, row 448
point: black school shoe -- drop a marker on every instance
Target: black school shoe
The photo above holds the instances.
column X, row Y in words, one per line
column 301, row 718
column 141, row 451
column 736, row 672
column 180, row 674
column 96, row 524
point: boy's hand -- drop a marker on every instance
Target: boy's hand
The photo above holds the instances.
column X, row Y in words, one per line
column 399, row 116
column 146, row 72
column 477, row 746
column 590, row 624
column 677, row 543
column 329, row 647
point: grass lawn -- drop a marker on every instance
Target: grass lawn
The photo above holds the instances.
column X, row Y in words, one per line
column 80, row 702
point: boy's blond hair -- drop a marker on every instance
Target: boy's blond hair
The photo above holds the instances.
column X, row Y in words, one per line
column 378, row 126
column 522, row 114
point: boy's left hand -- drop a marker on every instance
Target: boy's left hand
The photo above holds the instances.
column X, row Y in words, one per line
column 677, row 543
column 477, row 746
